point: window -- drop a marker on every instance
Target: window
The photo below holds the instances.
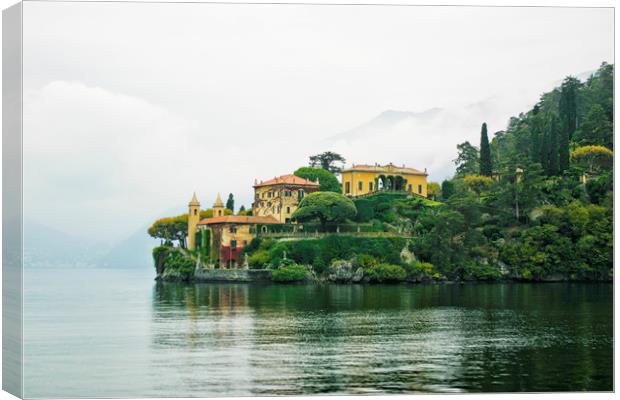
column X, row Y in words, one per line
column 245, row 242
column 232, row 229
column 347, row 187
column 269, row 194
column 288, row 210
column 300, row 194
column 219, row 213
column 257, row 196
column 360, row 185
column 268, row 204
column 420, row 189
column 195, row 212
column 370, row 186
column 233, row 244
column 410, row 188
column 287, row 193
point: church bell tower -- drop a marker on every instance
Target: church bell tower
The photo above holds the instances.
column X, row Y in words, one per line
column 193, row 217
column 218, row 207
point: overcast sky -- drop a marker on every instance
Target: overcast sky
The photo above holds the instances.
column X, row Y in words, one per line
column 129, row 108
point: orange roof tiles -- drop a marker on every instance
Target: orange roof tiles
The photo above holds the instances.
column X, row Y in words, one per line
column 287, row 179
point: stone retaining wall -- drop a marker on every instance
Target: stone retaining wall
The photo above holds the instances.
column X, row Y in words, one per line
column 232, row 275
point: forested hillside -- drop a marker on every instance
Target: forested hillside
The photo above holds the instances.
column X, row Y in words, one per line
column 537, row 200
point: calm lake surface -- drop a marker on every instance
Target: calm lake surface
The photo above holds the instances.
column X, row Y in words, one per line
column 115, row 333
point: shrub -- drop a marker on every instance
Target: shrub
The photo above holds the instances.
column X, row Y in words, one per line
column 259, row 259
column 329, row 248
column 386, row 273
column 319, row 265
column 481, row 272
column 157, row 251
column 177, row 261
column 289, row 273
column 366, row 261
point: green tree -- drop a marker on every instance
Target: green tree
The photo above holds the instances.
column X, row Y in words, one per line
column 327, row 160
column 596, row 128
column 593, row 158
column 326, row 207
column 447, row 189
column 170, row 229
column 230, row 203
column 327, row 180
column 433, row 190
column 563, row 151
column 550, row 145
column 486, row 168
column 568, row 105
column 478, row 183
column 467, row 161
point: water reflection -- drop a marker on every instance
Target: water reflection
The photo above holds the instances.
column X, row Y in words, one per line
column 240, row 339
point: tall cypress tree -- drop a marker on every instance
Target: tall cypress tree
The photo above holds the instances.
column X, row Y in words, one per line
column 486, row 168
column 544, row 151
column 563, row 151
column 230, row 203
column 552, row 135
column 568, row 105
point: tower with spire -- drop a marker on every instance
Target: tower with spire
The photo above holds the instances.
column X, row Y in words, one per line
column 218, row 207
column 193, row 217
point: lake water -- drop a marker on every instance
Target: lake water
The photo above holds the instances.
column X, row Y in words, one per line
column 115, row 333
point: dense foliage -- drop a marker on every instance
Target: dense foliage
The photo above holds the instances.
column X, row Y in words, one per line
column 547, row 208
column 327, row 180
column 328, row 160
column 321, row 252
column 289, row 271
column 325, row 207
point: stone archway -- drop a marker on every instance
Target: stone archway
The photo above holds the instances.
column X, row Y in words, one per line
column 398, row 183
column 381, row 183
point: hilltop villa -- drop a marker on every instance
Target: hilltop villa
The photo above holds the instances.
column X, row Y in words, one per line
column 363, row 179
column 276, row 200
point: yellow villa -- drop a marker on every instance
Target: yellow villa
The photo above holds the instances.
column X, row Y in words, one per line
column 363, row 179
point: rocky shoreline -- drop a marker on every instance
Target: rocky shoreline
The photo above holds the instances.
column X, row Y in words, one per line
column 341, row 272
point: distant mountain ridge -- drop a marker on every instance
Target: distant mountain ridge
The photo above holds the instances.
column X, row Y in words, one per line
column 384, row 120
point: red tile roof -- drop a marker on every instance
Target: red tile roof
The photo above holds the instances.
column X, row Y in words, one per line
column 239, row 219
column 287, row 179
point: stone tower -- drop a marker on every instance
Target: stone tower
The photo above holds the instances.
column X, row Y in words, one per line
column 193, row 217
column 218, row 207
